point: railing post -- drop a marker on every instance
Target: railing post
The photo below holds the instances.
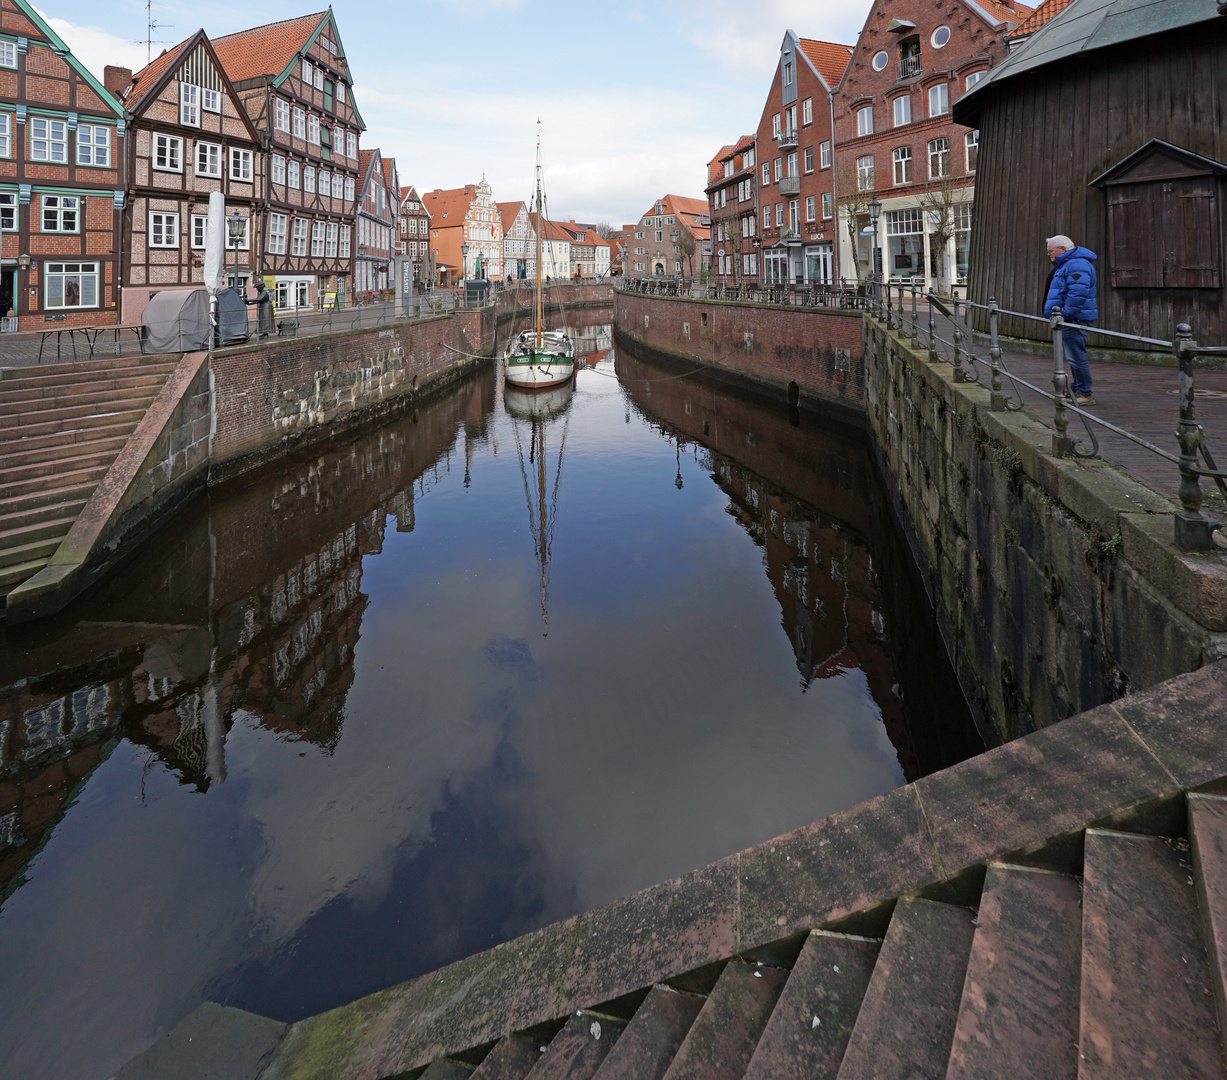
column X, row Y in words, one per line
column 1062, row 444
column 890, row 306
column 932, row 339
column 915, row 332
column 1193, row 532
column 957, row 362
column 996, row 399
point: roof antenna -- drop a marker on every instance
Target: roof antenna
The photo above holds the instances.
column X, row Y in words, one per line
column 151, row 24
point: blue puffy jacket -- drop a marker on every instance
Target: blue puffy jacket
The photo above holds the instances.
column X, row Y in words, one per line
column 1073, row 287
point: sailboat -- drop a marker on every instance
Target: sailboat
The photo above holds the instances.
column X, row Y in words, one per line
column 538, row 358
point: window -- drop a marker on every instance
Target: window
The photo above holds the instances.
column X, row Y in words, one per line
column 747, row 160
column 807, row 111
column 351, row 144
column 48, row 140
column 880, row 60
column 317, row 239
column 972, row 142
column 313, row 129
column 794, row 215
column 766, row 217
column 788, row 73
column 779, row 167
column 168, row 153
column 903, row 165
column 319, row 79
column 779, row 214
column 903, row 110
column 350, row 186
column 200, row 230
column 344, row 252
column 974, row 78
column 8, row 54
column 904, row 242
column 824, row 155
column 6, row 135
column 189, row 104
column 278, row 169
column 962, row 238
column 208, row 159
column 71, row 285
column 766, row 174
column 8, row 212
column 939, row 158
column 864, row 120
column 940, row 37
column 240, row 165
column 325, row 180
column 790, row 120
column 299, row 237
column 826, row 205
column 281, row 114
column 864, row 173
column 164, row 230
column 338, row 185
column 338, row 139
column 293, row 174
column 300, row 123
column 330, row 244
column 61, row 213
column 341, row 96
column 810, row 206
column 210, row 100
column 94, row 145
column 939, row 100
column 307, row 71
column 792, row 164
column 809, row 159
column 308, row 179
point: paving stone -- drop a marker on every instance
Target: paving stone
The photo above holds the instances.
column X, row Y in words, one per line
column 1018, row 1018
column 1208, row 832
column 906, row 1023
column 808, row 1032
column 1147, row 1002
column 651, row 1039
column 577, row 1051
column 212, row 1043
column 722, row 1038
column 511, row 1059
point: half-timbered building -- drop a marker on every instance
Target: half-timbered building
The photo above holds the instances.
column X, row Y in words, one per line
column 415, row 234
column 376, row 227
column 296, row 86
column 189, row 136
column 62, row 142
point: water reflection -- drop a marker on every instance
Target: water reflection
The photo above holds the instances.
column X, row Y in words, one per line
column 312, row 741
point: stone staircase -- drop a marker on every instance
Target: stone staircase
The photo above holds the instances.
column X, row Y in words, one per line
column 61, row 427
column 1114, row 973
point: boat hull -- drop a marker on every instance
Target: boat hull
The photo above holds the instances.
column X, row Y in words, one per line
column 539, row 373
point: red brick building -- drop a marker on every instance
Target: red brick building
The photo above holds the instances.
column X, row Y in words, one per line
column 62, row 152
column 657, row 247
column 734, row 212
column 894, row 137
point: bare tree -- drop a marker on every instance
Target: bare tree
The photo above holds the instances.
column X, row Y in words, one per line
column 603, row 229
column 726, row 228
column 854, row 208
column 941, row 197
column 684, row 248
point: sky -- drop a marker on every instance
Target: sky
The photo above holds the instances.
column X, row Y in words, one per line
column 634, row 97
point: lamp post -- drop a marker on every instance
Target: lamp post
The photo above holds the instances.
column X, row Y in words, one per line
column 234, row 227
column 23, row 261
column 464, row 271
column 875, row 212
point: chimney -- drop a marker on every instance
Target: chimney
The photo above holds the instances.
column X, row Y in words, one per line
column 117, row 79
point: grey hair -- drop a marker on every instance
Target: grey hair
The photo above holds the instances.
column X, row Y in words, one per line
column 1064, row 241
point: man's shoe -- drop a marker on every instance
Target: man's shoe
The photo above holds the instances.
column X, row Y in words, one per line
column 1083, row 399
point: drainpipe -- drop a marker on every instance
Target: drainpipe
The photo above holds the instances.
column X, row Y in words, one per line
column 834, row 190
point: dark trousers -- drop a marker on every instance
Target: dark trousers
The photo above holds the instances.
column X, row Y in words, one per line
column 1074, row 340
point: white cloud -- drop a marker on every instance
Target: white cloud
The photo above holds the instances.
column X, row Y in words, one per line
column 95, row 47
column 747, row 37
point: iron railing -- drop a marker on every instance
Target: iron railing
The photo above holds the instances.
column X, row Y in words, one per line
column 842, row 294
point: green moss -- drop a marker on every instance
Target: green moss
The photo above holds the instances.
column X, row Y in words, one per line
column 1110, row 547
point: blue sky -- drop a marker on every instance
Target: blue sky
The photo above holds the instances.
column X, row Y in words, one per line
column 634, row 96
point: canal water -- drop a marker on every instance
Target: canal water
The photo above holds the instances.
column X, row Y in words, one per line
column 493, row 664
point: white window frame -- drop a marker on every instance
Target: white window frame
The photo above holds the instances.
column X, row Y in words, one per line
column 242, row 165
column 807, row 111
column 293, row 175
column 318, row 81
column 306, row 73
column 169, row 150
column 78, row 270
column 163, row 230
column 189, row 104
column 935, row 157
column 865, row 173
column 317, row 239
column 8, row 211
column 351, row 144
column 766, row 217
column 824, row 155
column 299, row 123
column 901, row 108
column 766, row 173
column 66, row 211
column 350, row 188
column 8, row 54
column 809, row 160
column 779, row 215
column 210, row 100
column 901, row 165
column 864, row 120
column 330, row 241
column 95, row 140
column 338, row 185
column 308, row 179
column 974, row 78
column 345, row 241
column 52, row 144
column 323, row 182
column 788, row 73
column 313, row 129
column 209, row 155
column 200, row 232
column 939, row 99
column 298, row 237
column 971, row 142
column 281, row 115
column 6, row 135
column 811, row 208
column 778, row 169
column 827, row 206
column 276, row 170
column 244, row 243
column 341, row 95
column 278, row 231
column 338, row 139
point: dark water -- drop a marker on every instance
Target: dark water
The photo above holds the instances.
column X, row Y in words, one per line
column 320, row 737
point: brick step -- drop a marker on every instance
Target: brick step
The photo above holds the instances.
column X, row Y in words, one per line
column 1147, row 999
column 1018, row 1018
column 906, row 1023
column 512, row 1058
column 16, row 520
column 13, row 473
column 96, row 400
column 80, row 368
column 722, row 1038
column 1208, row 832
column 808, row 1032
column 14, row 433
column 11, row 459
column 110, row 408
column 12, row 576
column 652, row 1038
column 577, row 1051
column 54, row 440
column 13, row 553
column 70, row 389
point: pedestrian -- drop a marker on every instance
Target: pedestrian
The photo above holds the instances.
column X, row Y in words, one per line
column 1071, row 287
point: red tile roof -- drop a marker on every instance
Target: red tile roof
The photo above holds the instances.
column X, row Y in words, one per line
column 447, row 208
column 829, row 59
column 148, row 75
column 389, row 167
column 507, row 213
column 1041, row 15
column 714, row 169
column 265, row 50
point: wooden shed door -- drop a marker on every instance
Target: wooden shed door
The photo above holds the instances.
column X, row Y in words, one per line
column 1133, row 234
column 1191, row 233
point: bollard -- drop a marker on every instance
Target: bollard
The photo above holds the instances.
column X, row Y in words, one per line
column 1193, row 532
column 958, row 341
column 1062, row 444
column 996, row 399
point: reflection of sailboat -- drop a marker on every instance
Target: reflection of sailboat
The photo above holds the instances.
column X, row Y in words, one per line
column 539, row 358
column 532, row 412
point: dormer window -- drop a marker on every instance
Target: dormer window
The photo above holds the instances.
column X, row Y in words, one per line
column 788, row 73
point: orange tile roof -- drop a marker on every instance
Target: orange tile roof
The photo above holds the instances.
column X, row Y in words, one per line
column 829, row 59
column 507, row 212
column 1041, row 15
column 389, row 167
column 148, row 75
column 683, row 205
column 714, row 169
column 265, row 50
column 448, row 208
column 551, row 230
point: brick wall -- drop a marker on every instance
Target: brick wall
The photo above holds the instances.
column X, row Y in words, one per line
column 819, row 350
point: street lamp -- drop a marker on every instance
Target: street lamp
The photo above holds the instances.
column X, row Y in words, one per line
column 234, row 226
column 464, row 270
column 875, row 212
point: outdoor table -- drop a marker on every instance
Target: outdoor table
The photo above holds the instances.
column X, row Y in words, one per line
column 93, row 333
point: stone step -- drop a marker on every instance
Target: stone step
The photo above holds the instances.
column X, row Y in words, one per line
column 109, row 410
column 577, row 1051
column 12, row 474
column 40, row 490
column 1208, row 832
column 79, row 368
column 68, row 390
column 1147, row 999
column 651, row 1039
column 1018, row 1019
column 512, row 1058
column 33, row 541
column 722, row 1039
column 214, row 1041
column 30, row 551
column 444, row 1069
column 16, row 520
column 808, row 1032
column 18, row 433
column 906, row 1022
column 12, row 576
column 14, row 411
column 58, row 452
column 53, row 441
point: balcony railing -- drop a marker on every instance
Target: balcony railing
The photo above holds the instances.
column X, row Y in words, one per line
column 908, row 68
column 786, row 140
column 790, row 185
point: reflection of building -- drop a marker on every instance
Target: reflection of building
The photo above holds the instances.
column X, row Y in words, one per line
column 593, row 342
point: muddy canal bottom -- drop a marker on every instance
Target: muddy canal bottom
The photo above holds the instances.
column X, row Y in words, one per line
column 497, row 663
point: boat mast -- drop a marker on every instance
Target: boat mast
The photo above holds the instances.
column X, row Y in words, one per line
column 540, row 226
column 542, row 528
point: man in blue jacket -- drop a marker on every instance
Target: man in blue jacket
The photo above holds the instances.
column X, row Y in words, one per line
column 1072, row 289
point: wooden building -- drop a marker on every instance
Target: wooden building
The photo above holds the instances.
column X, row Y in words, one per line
column 296, row 86
column 1106, row 125
column 62, row 146
column 189, row 136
